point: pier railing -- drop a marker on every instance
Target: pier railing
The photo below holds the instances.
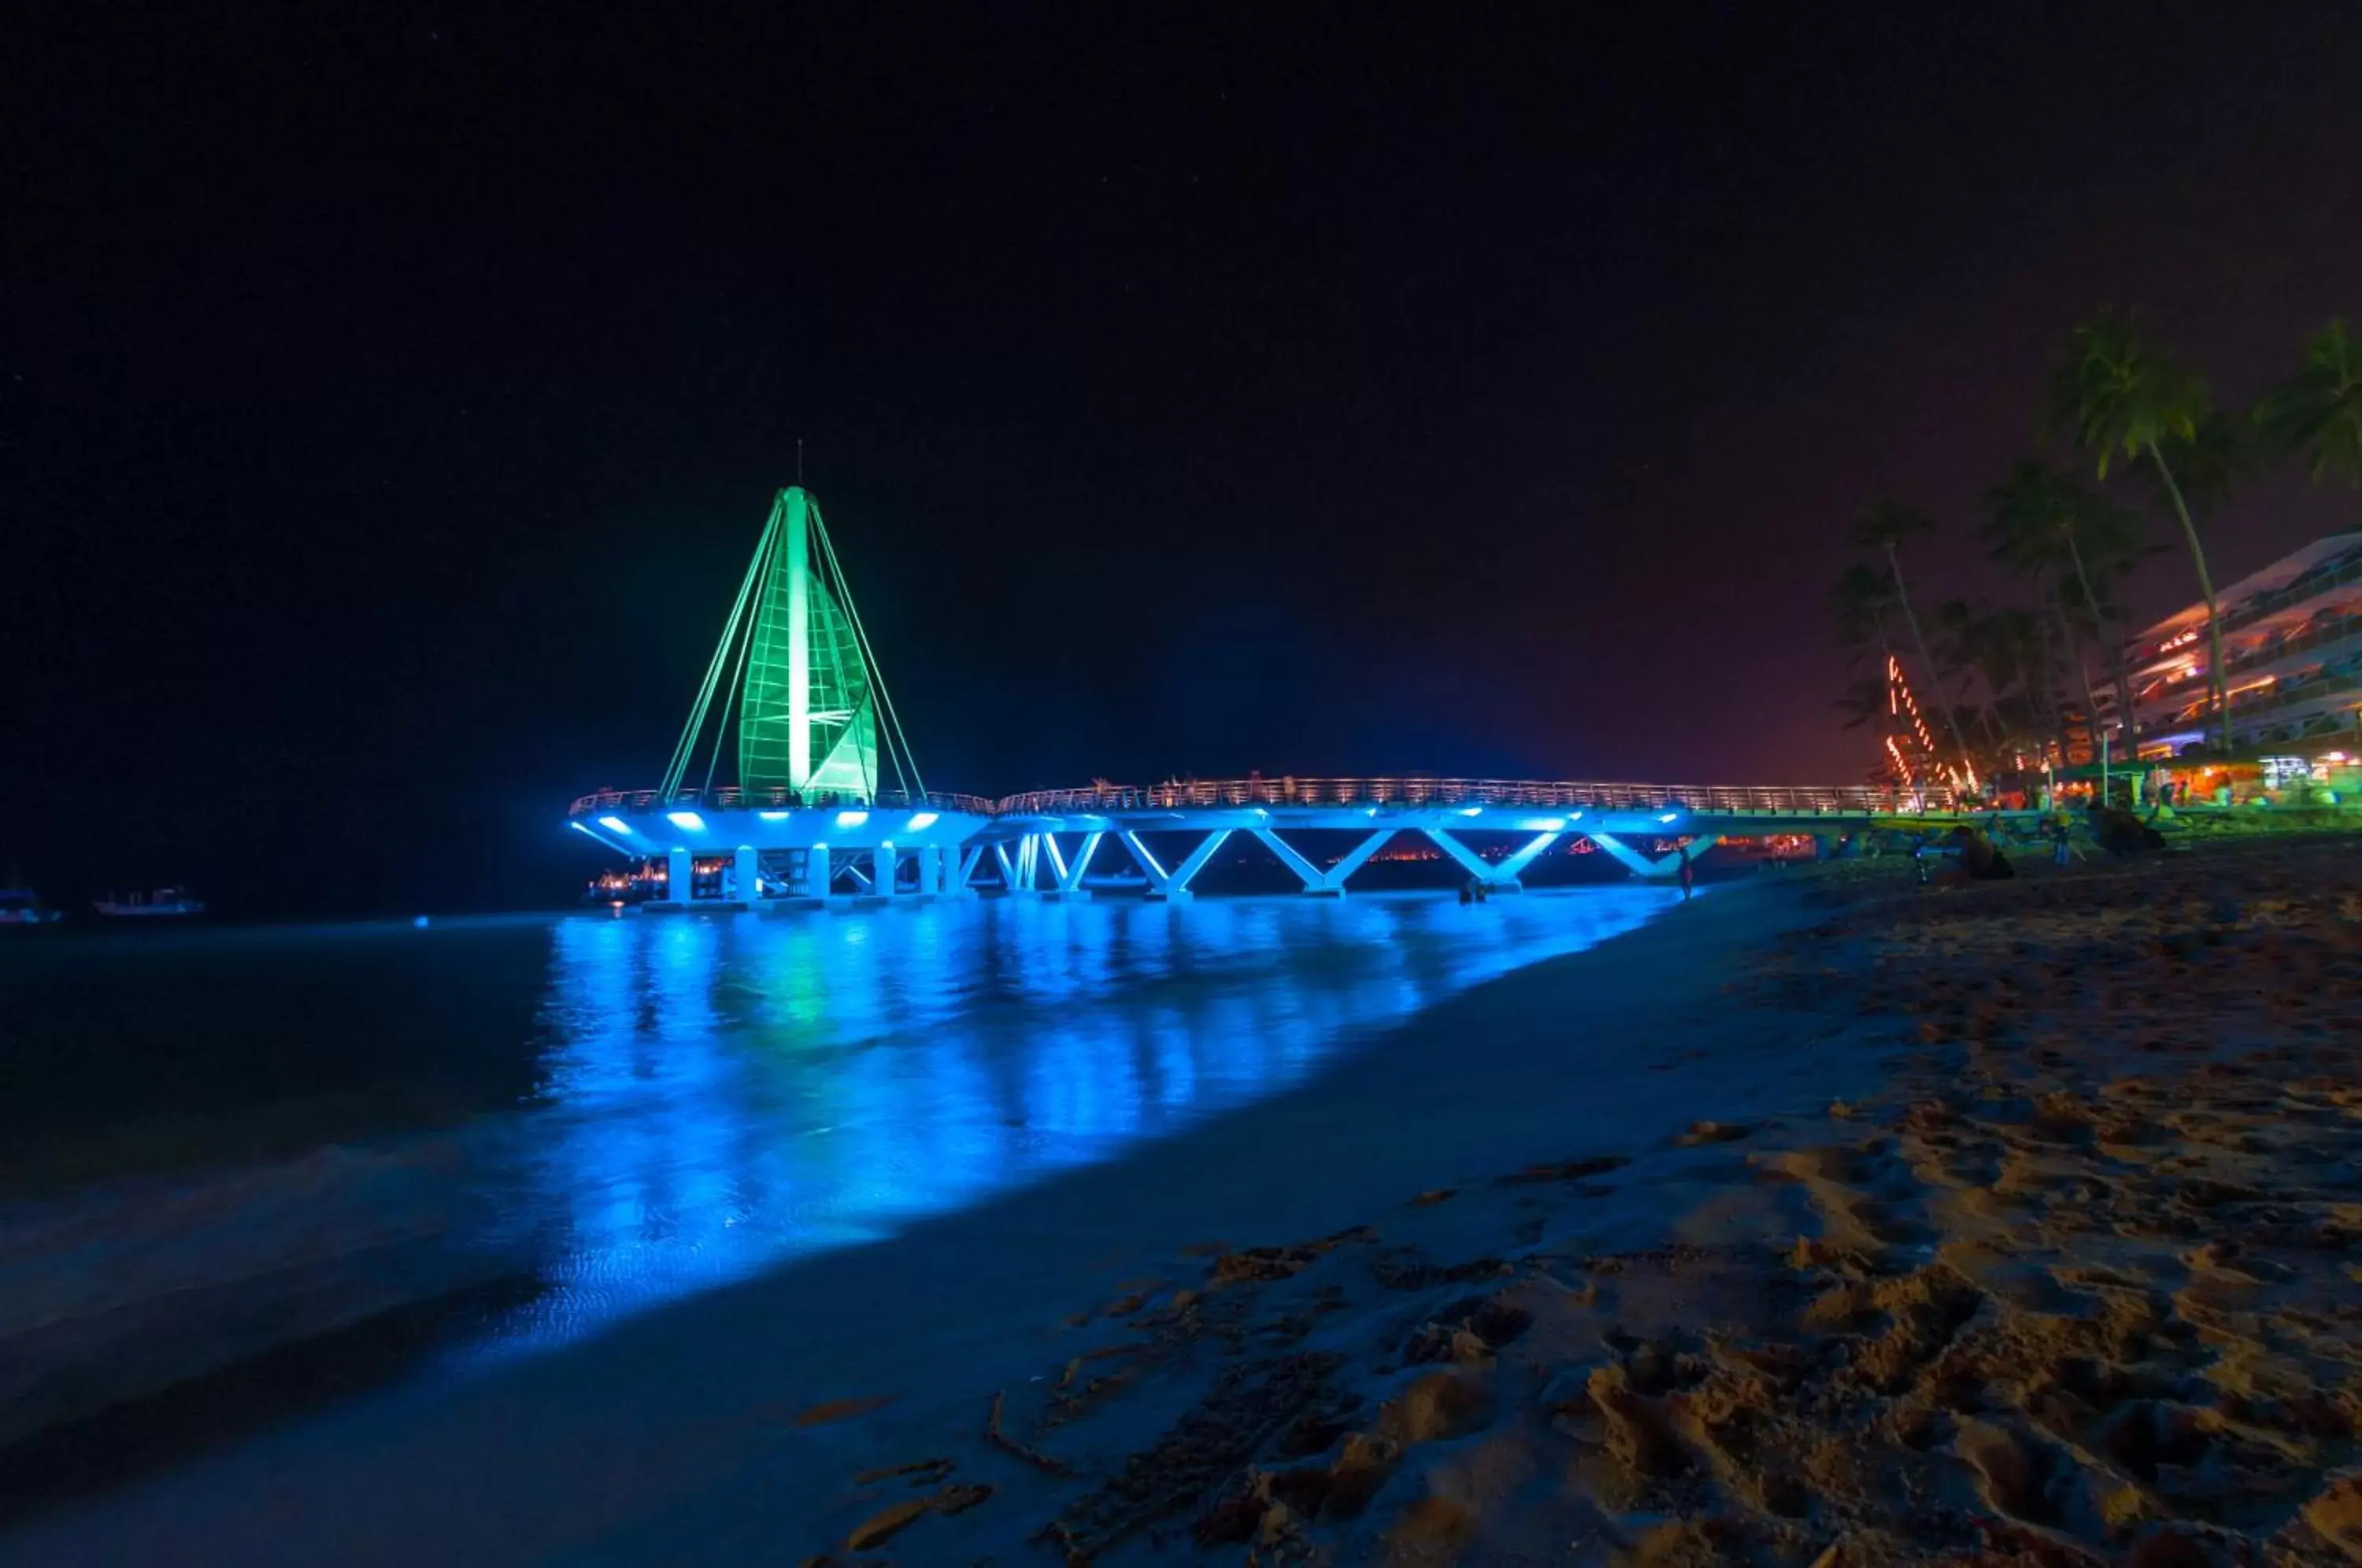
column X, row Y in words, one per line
column 730, row 798
column 1728, row 799
column 1758, row 800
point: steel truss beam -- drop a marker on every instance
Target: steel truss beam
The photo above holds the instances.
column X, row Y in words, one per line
column 1475, row 865
column 1515, row 865
column 1304, row 870
column 1070, row 877
column 1177, row 885
column 1332, row 881
column 1641, row 866
column 603, row 839
column 1159, row 878
column 1354, row 859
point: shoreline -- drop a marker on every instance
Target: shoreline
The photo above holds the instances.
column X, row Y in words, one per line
column 1077, row 1233
column 172, row 1317
column 1828, row 1221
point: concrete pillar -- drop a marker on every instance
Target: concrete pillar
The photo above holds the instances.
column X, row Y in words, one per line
column 881, row 872
column 749, row 869
column 677, row 885
column 816, row 872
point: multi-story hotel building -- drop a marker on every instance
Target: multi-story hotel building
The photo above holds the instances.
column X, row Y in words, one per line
column 2292, row 658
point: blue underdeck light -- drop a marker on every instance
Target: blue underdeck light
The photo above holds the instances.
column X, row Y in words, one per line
column 775, row 816
column 1669, row 816
column 851, row 819
column 688, row 819
column 1472, row 811
column 614, row 824
column 921, row 820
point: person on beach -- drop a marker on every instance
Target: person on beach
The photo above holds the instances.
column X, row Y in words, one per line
column 1976, row 859
column 1689, row 876
column 2120, row 833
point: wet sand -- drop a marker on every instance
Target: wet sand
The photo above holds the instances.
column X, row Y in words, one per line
column 1828, row 1221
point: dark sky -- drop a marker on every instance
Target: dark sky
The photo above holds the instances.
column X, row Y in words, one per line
column 390, row 400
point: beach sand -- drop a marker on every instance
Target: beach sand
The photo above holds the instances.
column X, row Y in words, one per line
column 1828, row 1221
column 2080, row 1283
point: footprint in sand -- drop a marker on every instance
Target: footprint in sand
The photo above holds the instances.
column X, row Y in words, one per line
column 1702, row 1133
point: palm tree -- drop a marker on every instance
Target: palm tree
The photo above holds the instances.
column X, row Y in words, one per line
column 2119, row 394
column 2043, row 656
column 2076, row 618
column 2224, row 455
column 1859, row 603
column 1884, row 527
column 2039, row 520
column 2318, row 413
column 1958, row 643
column 2012, row 650
column 1864, row 700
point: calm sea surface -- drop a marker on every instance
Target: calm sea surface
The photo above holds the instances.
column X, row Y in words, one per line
column 504, row 1133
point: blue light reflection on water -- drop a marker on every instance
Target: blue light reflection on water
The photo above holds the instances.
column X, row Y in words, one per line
column 722, row 1093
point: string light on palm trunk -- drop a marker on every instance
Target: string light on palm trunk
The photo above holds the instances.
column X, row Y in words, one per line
column 1903, row 705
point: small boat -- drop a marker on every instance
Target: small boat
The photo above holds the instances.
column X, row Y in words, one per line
column 164, row 903
column 22, row 906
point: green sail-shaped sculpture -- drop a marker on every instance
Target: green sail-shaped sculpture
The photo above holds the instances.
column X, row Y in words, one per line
column 807, row 715
column 794, row 669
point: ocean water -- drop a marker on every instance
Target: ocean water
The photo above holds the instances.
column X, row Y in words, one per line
column 503, row 1134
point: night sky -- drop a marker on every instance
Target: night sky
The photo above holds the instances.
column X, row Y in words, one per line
column 388, row 402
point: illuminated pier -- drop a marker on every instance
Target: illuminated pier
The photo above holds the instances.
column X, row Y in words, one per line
column 827, row 803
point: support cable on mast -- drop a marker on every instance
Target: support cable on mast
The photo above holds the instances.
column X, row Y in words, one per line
column 686, row 747
column 899, row 750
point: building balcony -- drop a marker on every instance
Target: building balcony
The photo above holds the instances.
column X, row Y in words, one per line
column 2318, row 586
column 2318, row 702
column 2327, row 642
